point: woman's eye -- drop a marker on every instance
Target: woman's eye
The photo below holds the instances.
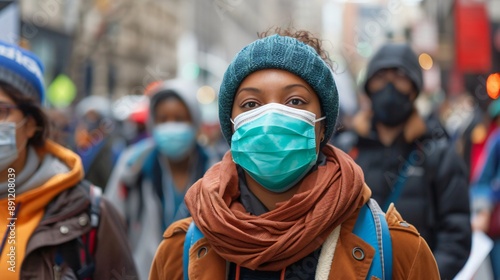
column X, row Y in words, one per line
column 250, row 104
column 296, row 102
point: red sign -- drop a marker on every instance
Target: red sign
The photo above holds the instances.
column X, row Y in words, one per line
column 472, row 37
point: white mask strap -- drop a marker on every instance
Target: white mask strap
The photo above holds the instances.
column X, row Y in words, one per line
column 320, row 119
column 21, row 123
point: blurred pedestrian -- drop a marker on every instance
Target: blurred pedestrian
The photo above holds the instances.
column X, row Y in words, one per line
column 485, row 191
column 481, row 134
column 97, row 140
column 407, row 163
column 61, row 127
column 283, row 203
column 213, row 141
column 464, row 120
column 134, row 128
column 54, row 225
column 131, row 113
column 151, row 178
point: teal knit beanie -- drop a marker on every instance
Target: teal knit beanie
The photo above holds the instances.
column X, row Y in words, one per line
column 285, row 53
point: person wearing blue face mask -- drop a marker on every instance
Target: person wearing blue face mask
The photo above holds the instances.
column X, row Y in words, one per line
column 408, row 162
column 152, row 176
column 95, row 138
column 283, row 203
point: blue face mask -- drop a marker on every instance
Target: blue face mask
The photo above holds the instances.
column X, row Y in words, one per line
column 8, row 147
column 174, row 139
column 275, row 144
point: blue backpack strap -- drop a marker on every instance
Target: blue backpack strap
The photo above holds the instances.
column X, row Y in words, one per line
column 193, row 234
column 372, row 220
column 385, row 243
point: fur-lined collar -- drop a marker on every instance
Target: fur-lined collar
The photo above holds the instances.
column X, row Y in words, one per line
column 414, row 127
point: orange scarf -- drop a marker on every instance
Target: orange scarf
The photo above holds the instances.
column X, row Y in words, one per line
column 325, row 198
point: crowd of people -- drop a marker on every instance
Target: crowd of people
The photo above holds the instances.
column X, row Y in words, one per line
column 394, row 194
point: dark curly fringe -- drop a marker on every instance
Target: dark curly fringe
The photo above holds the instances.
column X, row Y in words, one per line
column 302, row 35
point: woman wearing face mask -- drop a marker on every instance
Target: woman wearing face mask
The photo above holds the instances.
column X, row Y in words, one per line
column 53, row 224
column 282, row 203
column 410, row 164
column 151, row 178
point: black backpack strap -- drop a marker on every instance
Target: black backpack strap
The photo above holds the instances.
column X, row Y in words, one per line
column 68, row 253
column 71, row 252
column 95, row 205
column 89, row 240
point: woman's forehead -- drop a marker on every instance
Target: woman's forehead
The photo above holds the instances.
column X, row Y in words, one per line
column 272, row 78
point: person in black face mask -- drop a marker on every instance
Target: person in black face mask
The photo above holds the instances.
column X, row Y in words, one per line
column 392, row 96
column 410, row 164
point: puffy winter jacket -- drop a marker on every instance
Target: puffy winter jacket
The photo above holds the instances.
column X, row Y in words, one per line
column 434, row 195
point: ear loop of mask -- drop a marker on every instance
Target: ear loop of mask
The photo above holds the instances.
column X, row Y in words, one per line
column 22, row 122
column 320, row 119
column 18, row 125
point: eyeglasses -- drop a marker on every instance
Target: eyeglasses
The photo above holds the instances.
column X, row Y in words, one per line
column 5, row 109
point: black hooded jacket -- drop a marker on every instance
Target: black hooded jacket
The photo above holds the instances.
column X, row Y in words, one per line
column 420, row 171
column 433, row 193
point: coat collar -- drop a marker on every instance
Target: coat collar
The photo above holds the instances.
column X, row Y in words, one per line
column 413, row 129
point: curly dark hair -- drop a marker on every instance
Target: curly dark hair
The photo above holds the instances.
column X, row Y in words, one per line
column 29, row 107
column 302, row 35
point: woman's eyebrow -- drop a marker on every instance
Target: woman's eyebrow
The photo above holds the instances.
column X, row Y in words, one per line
column 296, row 85
column 252, row 89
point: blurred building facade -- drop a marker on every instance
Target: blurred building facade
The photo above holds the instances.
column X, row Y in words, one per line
column 117, row 48
column 109, row 48
column 9, row 17
column 216, row 30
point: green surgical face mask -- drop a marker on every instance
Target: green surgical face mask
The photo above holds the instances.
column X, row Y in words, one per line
column 275, row 144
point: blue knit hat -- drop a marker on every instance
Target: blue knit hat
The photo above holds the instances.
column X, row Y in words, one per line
column 285, row 53
column 22, row 70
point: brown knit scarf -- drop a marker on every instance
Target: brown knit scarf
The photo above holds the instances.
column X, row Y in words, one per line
column 281, row 237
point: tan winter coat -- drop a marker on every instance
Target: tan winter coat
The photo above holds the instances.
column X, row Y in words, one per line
column 412, row 258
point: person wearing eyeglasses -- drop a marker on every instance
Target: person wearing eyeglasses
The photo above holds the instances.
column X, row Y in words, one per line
column 53, row 225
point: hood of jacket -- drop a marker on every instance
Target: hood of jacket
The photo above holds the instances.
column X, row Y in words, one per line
column 184, row 90
column 399, row 56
